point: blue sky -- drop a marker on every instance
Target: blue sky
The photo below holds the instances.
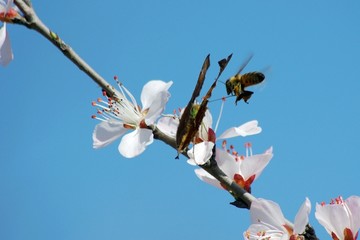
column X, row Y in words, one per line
column 54, row 185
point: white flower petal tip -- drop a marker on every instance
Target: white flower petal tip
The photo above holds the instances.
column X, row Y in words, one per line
column 255, row 164
column 206, row 177
column 6, row 54
column 168, row 125
column 107, row 132
column 247, row 129
column 154, row 97
column 302, row 217
column 135, row 142
column 200, row 153
column 269, row 150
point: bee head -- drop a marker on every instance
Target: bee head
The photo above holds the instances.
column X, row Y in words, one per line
column 228, row 85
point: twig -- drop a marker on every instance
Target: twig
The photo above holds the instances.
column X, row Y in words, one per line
column 31, row 20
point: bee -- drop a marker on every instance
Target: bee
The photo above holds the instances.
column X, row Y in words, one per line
column 236, row 84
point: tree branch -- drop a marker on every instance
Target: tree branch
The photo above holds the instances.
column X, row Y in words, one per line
column 31, row 20
column 212, row 168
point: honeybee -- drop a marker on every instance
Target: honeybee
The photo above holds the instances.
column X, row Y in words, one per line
column 236, row 84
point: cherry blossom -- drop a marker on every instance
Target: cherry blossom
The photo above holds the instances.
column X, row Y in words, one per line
column 340, row 218
column 268, row 221
column 121, row 113
column 244, row 170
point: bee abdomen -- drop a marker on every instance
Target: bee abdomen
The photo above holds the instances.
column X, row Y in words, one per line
column 252, row 78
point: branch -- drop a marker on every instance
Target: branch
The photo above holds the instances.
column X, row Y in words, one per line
column 31, row 20
column 212, row 168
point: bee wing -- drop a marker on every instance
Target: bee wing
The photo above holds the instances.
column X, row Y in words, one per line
column 247, row 60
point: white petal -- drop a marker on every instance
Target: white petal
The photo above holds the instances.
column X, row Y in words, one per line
column 227, row 162
column 134, row 143
column 201, row 152
column 107, row 132
column 6, row 54
column 267, row 212
column 206, row 177
column 191, row 158
column 191, row 161
column 255, row 164
column 205, row 125
column 353, row 204
column 302, row 217
column 333, row 217
column 249, row 128
column 207, row 120
column 168, row 125
column 154, row 97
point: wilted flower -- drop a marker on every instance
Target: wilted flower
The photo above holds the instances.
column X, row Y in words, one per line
column 122, row 113
column 340, row 218
column 268, row 221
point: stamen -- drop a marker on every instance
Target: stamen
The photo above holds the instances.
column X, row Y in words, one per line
column 97, row 118
column 122, row 89
column 248, row 149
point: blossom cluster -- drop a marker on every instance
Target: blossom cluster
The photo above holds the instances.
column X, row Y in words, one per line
column 121, row 113
column 120, row 116
column 340, row 218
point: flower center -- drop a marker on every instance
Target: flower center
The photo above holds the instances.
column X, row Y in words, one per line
column 231, row 150
column 119, row 108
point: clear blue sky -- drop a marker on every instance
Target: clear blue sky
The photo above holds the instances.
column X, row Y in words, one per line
column 53, row 185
